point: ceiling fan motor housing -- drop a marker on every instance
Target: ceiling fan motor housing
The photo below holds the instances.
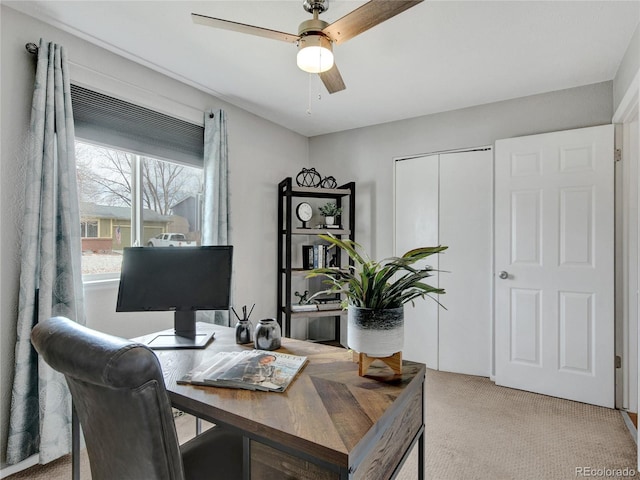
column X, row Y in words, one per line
column 311, row 34
column 312, row 26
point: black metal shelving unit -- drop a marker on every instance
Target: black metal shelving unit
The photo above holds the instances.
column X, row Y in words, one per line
column 344, row 195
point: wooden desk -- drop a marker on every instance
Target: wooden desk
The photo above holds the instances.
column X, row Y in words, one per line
column 329, row 424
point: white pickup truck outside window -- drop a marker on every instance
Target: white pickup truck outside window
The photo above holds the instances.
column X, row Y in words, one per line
column 170, row 240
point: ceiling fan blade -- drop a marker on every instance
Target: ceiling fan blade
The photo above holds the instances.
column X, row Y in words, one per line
column 332, row 80
column 243, row 28
column 365, row 17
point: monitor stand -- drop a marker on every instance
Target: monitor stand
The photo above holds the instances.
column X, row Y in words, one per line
column 185, row 335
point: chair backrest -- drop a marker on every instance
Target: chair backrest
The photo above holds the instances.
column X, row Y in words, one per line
column 120, row 397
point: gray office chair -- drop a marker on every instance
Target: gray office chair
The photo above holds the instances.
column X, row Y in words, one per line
column 124, row 410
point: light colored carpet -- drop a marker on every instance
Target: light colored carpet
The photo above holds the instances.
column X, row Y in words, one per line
column 478, row 431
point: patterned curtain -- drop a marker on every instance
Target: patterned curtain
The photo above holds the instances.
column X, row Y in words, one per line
column 50, row 277
column 215, row 229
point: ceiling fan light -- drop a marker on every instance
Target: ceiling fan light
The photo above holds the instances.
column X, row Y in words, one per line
column 315, row 54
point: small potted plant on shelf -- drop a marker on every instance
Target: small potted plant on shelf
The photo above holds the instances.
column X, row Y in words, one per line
column 375, row 293
column 330, row 211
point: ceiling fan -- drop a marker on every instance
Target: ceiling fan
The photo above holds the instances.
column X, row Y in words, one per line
column 315, row 38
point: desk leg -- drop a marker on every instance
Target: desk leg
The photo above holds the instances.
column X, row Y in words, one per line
column 421, row 456
column 75, row 444
column 246, row 458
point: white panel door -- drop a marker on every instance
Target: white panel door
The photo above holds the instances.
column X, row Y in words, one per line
column 416, row 225
column 554, row 297
column 466, row 227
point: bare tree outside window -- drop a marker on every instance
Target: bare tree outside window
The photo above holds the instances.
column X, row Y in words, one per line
column 104, row 177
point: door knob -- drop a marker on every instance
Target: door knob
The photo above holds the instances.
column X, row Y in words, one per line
column 503, row 275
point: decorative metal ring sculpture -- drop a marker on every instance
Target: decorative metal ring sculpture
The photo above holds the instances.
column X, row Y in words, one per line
column 329, row 182
column 308, row 177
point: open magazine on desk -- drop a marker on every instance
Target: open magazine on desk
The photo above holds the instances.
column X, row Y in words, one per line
column 248, row 369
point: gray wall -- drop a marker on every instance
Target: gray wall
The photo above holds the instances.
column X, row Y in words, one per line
column 261, row 153
column 366, row 154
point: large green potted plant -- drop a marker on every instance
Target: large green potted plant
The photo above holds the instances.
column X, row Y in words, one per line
column 375, row 292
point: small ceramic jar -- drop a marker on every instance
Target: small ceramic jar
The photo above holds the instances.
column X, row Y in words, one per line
column 244, row 332
column 268, row 335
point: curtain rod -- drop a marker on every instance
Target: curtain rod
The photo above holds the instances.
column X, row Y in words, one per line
column 31, row 48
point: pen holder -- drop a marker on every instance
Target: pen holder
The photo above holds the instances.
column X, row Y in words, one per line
column 244, row 332
column 268, row 335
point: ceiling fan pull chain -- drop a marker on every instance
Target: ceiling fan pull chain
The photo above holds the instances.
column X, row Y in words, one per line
column 309, row 96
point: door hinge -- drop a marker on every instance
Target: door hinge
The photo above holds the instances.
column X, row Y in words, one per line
column 617, row 154
column 618, row 361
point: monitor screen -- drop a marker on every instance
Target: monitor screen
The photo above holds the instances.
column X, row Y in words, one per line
column 175, row 278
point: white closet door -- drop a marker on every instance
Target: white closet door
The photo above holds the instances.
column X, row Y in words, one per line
column 466, row 227
column 447, row 200
column 416, row 224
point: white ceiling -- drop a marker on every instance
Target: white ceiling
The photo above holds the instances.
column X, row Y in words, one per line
column 436, row 56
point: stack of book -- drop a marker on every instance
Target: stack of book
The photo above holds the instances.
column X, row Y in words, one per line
column 306, row 307
column 316, row 307
column 333, row 305
column 333, row 226
column 315, row 256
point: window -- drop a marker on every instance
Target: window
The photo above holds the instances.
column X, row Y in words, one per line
column 89, row 229
column 170, row 195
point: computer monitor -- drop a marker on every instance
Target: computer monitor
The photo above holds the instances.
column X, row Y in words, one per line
column 178, row 279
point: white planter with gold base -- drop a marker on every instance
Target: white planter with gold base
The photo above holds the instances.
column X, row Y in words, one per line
column 378, row 333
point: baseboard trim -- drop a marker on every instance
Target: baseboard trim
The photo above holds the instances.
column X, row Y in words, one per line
column 18, row 467
column 632, row 429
